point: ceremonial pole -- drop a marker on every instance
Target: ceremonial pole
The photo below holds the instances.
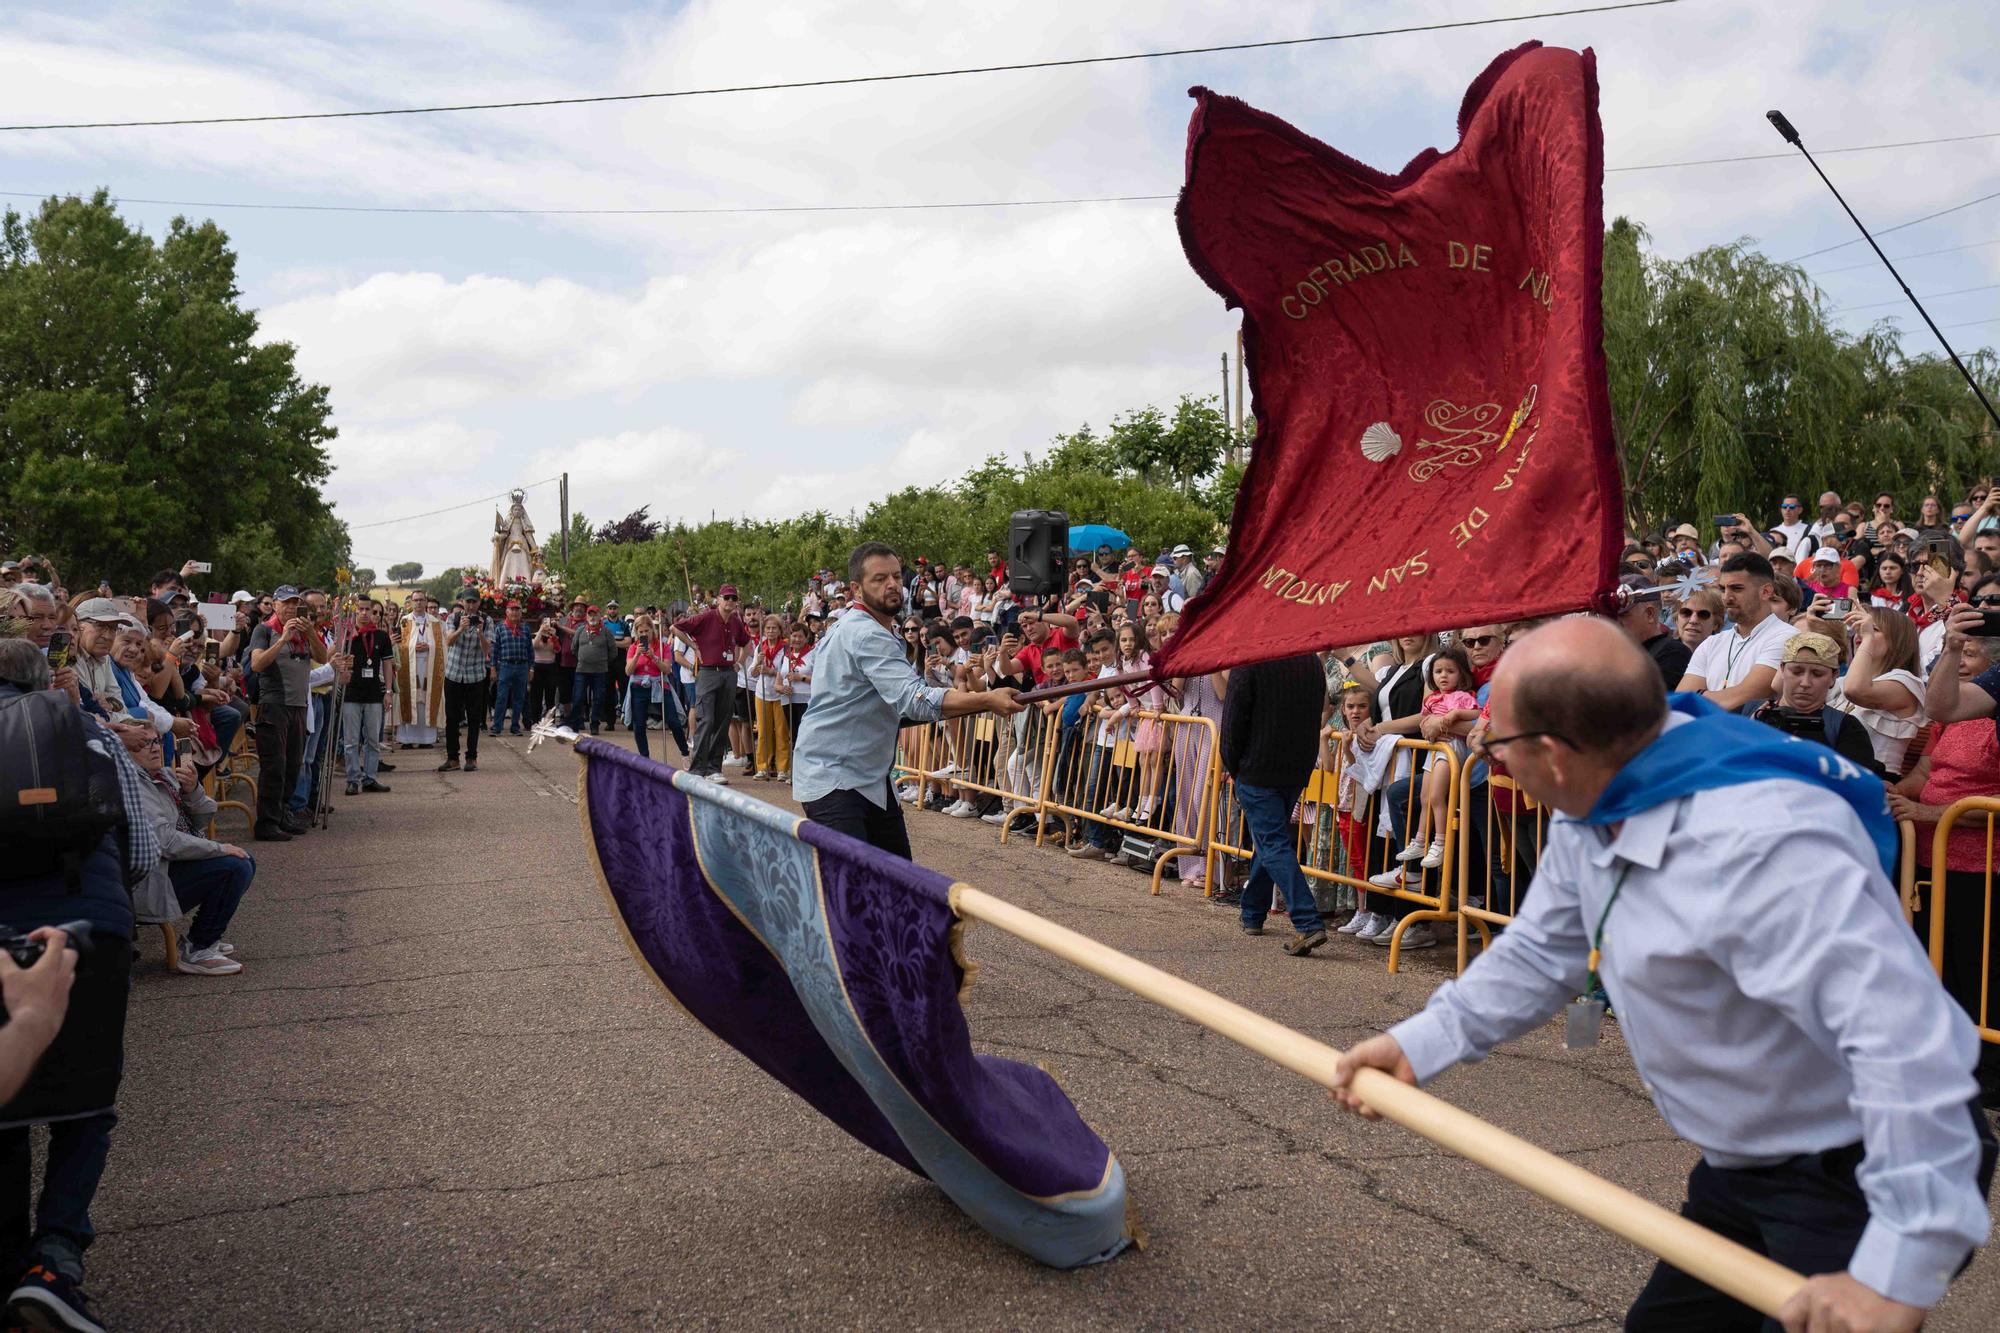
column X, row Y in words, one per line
column 1728, row 1267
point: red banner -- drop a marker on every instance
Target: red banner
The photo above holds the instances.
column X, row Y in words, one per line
column 1434, row 444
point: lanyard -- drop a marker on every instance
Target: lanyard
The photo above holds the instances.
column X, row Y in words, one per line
column 1597, row 938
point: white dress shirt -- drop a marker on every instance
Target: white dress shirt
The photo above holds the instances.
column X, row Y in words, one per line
column 1774, row 1001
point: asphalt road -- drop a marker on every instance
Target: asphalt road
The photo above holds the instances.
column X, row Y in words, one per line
column 441, row 1095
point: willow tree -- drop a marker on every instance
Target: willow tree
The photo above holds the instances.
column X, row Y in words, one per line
column 1730, row 387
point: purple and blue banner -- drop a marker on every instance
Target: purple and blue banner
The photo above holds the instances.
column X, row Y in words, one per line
column 835, row 968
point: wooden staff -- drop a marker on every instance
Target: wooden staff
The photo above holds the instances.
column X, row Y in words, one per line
column 1042, row 692
column 1723, row 1264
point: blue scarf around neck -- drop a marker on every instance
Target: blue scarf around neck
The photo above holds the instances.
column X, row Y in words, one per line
column 1723, row 749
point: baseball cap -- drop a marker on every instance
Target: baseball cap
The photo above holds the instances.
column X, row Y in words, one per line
column 1911, row 533
column 468, row 594
column 726, row 590
column 242, row 595
column 1817, row 649
column 1162, row 568
column 590, row 611
column 1686, row 530
column 284, row 592
column 1826, row 555
column 101, row 608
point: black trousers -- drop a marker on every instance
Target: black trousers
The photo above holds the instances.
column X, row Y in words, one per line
column 858, row 817
column 1807, row 1213
column 464, row 705
column 281, row 752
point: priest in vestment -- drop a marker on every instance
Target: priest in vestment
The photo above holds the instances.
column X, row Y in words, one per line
column 420, row 675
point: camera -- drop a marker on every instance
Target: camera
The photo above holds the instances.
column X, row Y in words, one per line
column 1810, row 726
column 24, row 950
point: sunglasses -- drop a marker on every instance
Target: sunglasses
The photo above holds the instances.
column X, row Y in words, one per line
column 729, row 599
column 1788, row 506
column 1481, row 640
column 1885, row 504
column 1991, row 599
column 1694, row 614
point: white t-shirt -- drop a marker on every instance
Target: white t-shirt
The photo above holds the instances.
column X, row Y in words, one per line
column 1108, row 730
column 1726, row 657
column 1796, row 544
column 802, row 687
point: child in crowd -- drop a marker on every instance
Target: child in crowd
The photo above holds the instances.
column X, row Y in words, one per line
column 1450, row 677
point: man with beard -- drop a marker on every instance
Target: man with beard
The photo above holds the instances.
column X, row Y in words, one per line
column 864, row 692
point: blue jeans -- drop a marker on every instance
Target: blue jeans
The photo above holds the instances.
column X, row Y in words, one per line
column 1267, row 813
column 211, row 888
column 511, row 691
column 595, row 686
column 639, row 705
column 361, row 738
column 314, row 751
column 227, row 719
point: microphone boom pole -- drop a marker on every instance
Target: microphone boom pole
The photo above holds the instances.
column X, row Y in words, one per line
column 1791, row 136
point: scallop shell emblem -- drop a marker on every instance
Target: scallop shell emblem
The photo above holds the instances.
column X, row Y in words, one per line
column 1379, row 441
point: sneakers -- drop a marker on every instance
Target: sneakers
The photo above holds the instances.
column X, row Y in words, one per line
column 1413, row 852
column 907, row 794
column 784, row 777
column 730, row 758
column 210, row 962
column 1298, row 946
column 1434, row 857
column 1086, row 851
column 997, row 817
column 1393, row 878
column 1115, row 812
column 1356, row 924
column 1251, row 930
column 48, row 1300
column 962, row 810
column 1419, row 936
column 940, row 774
column 1374, row 924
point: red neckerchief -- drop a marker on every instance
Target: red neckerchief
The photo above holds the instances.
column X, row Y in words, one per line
column 796, row 657
column 277, row 627
column 1480, row 675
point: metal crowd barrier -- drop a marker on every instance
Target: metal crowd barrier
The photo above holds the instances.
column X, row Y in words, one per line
column 1156, row 781
column 1511, row 839
column 1966, row 966
column 1432, row 893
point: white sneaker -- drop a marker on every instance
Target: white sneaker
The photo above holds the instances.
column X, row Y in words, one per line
column 224, row 947
column 997, row 817
column 1434, row 857
column 1394, row 878
column 1355, row 924
column 940, row 774
column 210, row 962
column 1413, row 852
column 718, row 779
column 1377, row 930
column 1419, row 936
column 731, row 759
column 1113, row 812
column 906, row 794
column 963, row 810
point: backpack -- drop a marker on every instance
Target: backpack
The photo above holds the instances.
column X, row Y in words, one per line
column 59, row 793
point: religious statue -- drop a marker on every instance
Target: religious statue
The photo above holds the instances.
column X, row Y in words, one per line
column 516, row 556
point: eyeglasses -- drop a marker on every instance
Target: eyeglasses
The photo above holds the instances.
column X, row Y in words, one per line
column 1480, row 640
column 1788, row 505
column 1693, row 614
column 1490, row 747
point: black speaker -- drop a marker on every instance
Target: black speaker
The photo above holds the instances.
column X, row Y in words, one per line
column 1037, row 551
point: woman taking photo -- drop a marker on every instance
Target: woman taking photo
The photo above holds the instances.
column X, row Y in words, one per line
column 646, row 666
column 1882, row 688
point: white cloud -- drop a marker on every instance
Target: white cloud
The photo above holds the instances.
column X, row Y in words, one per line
column 610, row 476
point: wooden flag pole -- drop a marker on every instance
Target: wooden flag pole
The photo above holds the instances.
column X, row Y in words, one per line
column 1042, row 692
column 1722, row 1263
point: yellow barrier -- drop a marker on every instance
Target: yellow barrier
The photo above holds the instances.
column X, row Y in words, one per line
column 1155, row 778
column 1433, row 890
column 1514, row 837
column 1906, row 878
column 1966, row 967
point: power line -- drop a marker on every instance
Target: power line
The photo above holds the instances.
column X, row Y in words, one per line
column 484, row 499
column 841, row 82
column 1927, row 296
column 1955, row 208
column 634, row 212
column 1921, row 254
column 1824, row 152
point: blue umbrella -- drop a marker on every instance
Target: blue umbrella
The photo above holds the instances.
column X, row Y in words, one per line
column 1087, row 537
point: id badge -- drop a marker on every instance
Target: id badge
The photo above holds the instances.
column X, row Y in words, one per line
column 1581, row 1021
column 368, row 673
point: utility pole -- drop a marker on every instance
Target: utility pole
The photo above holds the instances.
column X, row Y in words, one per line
column 563, row 492
column 1242, row 394
column 1225, row 389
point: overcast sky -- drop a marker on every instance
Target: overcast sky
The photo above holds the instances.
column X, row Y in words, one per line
column 776, row 363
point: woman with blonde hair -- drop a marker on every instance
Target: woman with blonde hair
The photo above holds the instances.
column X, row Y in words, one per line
column 1698, row 616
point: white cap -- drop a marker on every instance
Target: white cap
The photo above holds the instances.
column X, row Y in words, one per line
column 242, row 595
column 1826, row 555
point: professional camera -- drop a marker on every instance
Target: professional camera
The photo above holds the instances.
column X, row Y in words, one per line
column 1810, row 726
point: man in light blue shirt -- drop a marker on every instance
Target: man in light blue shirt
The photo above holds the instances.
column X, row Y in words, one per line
column 864, row 692
column 1782, row 1014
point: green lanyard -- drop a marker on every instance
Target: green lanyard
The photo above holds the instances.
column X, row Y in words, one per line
column 1597, row 940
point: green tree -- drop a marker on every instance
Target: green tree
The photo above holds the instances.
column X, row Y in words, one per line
column 364, row 578
column 141, row 420
column 1730, row 387
column 444, row 586
column 406, row 573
